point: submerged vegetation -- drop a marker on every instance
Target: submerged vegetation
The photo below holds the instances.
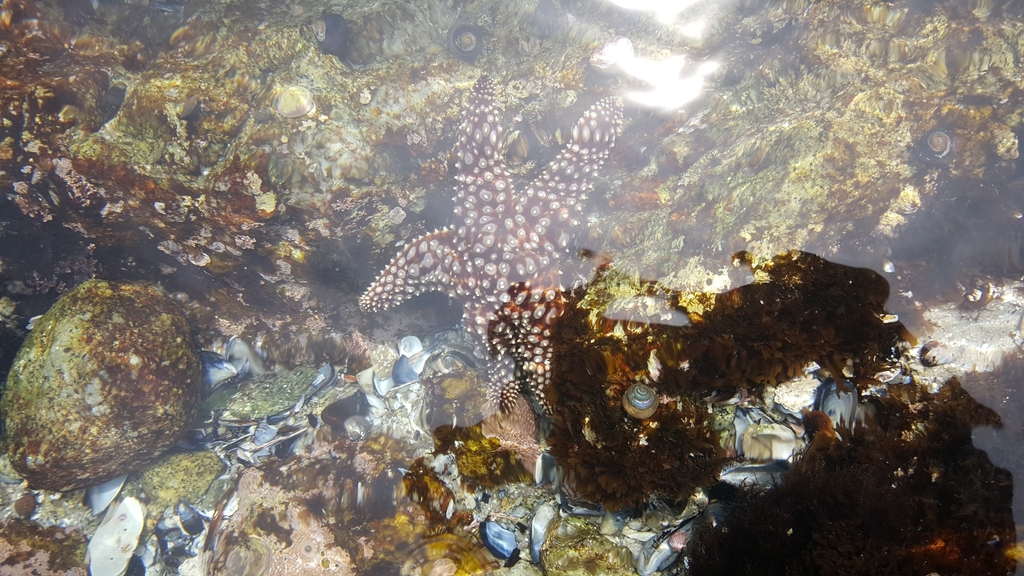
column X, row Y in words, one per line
column 911, row 497
column 799, row 309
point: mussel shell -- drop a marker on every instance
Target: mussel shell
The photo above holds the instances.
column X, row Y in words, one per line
column 264, row 433
column 326, row 377
column 656, row 553
column 192, row 521
column 404, row 372
column 763, row 475
column 840, row 404
column 136, row 566
column 174, row 542
column 337, row 412
column 196, row 440
column 216, row 370
column 640, row 401
column 539, row 528
column 499, row 540
column 100, row 496
column 244, row 356
column 466, row 40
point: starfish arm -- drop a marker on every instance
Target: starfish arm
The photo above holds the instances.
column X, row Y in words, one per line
column 503, row 389
column 554, row 200
column 501, row 257
column 522, row 331
column 482, row 184
column 426, row 264
column 483, row 190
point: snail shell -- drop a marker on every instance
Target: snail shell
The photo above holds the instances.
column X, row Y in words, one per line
column 331, row 31
column 466, row 40
column 319, row 28
column 640, row 401
column 937, row 148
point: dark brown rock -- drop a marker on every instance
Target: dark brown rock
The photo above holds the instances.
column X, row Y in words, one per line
column 105, row 382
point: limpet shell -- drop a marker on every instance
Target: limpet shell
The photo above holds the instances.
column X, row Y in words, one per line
column 936, row 148
column 295, row 102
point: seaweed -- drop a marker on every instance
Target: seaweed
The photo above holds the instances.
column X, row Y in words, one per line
column 800, row 309
column 915, row 497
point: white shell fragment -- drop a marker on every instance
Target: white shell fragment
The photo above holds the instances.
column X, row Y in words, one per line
column 100, row 496
column 612, row 53
column 410, row 345
column 645, row 310
column 112, row 545
column 412, row 357
column 769, row 441
column 763, row 475
column 796, row 395
column 244, row 356
column 538, row 529
column 843, row 406
column 383, row 385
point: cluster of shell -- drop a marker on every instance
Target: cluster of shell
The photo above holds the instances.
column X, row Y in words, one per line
column 367, row 432
column 271, row 418
column 355, row 440
column 265, row 415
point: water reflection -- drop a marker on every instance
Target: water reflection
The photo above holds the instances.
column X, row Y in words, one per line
column 150, row 142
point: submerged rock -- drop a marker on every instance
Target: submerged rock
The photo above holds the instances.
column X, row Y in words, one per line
column 914, row 497
column 28, row 548
column 103, row 385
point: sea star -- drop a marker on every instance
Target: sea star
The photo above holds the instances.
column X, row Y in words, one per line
column 501, row 259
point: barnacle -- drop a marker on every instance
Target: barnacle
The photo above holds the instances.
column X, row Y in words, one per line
column 466, row 40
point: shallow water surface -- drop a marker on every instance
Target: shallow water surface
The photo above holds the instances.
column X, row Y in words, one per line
column 517, row 287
